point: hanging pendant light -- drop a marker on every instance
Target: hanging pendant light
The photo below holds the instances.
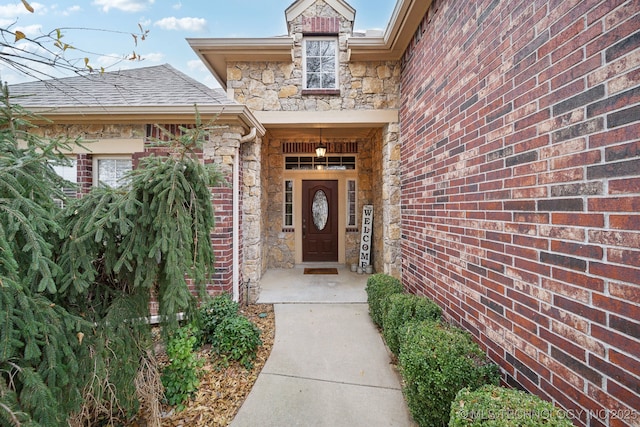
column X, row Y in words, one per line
column 321, row 149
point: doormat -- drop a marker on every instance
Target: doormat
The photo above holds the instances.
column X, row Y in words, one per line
column 320, row 271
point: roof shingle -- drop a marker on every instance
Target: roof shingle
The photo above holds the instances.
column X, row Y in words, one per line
column 160, row 85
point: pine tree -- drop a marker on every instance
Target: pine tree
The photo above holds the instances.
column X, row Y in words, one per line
column 38, row 338
column 76, row 283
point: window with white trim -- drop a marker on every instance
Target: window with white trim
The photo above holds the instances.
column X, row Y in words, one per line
column 320, row 63
column 320, row 163
column 288, row 204
column 68, row 172
column 111, row 171
column 352, row 217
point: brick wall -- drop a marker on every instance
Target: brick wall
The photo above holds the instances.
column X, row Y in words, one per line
column 520, row 126
column 222, row 239
column 84, row 168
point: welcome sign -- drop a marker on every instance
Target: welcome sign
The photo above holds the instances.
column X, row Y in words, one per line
column 365, row 239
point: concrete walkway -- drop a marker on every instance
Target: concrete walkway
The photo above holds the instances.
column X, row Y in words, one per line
column 329, row 365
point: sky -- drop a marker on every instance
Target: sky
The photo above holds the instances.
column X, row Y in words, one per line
column 101, row 30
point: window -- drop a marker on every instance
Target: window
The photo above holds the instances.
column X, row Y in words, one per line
column 288, row 204
column 111, row 171
column 320, row 63
column 68, row 172
column 320, row 163
column 352, row 220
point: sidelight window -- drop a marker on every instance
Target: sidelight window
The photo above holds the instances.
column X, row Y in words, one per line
column 351, row 204
column 288, row 203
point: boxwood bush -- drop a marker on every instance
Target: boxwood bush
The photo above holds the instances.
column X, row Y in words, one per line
column 402, row 308
column 436, row 361
column 493, row 406
column 379, row 288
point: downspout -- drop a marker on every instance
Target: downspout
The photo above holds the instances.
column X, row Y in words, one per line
column 236, row 213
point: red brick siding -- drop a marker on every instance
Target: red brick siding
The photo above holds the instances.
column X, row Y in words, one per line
column 320, row 25
column 520, row 126
column 84, row 171
column 222, row 239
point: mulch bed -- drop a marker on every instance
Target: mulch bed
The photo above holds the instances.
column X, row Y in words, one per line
column 222, row 390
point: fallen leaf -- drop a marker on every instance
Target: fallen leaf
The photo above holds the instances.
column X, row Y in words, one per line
column 222, row 390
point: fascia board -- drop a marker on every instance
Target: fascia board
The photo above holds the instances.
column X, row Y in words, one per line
column 225, row 114
column 404, row 21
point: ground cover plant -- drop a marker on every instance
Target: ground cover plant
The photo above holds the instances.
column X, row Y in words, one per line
column 181, row 377
column 223, row 387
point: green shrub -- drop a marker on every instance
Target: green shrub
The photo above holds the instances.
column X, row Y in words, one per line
column 379, row 288
column 181, row 378
column 436, row 361
column 237, row 338
column 213, row 312
column 402, row 308
column 493, row 406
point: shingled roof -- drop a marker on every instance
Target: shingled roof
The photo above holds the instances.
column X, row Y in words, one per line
column 160, row 85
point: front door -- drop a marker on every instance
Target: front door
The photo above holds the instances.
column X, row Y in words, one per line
column 319, row 221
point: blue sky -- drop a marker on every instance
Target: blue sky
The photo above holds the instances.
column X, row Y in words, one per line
column 105, row 27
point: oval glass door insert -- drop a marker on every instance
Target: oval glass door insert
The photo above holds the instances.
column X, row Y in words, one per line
column 320, row 210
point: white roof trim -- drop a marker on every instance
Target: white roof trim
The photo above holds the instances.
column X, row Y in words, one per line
column 405, row 19
column 224, row 114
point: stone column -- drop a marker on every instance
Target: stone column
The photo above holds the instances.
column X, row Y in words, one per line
column 391, row 185
column 252, row 214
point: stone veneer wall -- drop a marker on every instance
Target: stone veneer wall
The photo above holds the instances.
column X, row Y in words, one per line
column 90, row 132
column 386, row 170
column 281, row 244
column 253, row 214
column 368, row 187
column 277, row 86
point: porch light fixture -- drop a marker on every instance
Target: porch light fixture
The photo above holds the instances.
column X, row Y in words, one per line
column 321, row 149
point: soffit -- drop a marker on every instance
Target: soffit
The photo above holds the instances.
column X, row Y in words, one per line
column 216, row 53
